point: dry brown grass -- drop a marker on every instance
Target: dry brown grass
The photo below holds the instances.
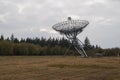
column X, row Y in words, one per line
column 59, row 68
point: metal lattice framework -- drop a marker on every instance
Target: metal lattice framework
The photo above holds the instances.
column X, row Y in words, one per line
column 71, row 29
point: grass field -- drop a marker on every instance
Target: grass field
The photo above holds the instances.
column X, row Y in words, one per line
column 59, row 68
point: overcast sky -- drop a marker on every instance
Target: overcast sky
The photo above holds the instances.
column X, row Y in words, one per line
column 35, row 18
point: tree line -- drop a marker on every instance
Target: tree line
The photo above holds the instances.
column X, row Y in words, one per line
column 51, row 46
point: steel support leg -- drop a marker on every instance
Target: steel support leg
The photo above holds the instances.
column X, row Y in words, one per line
column 79, row 47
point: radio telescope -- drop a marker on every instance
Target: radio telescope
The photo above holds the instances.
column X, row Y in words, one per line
column 71, row 28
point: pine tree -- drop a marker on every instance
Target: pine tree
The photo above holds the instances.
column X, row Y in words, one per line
column 2, row 37
column 12, row 37
column 87, row 43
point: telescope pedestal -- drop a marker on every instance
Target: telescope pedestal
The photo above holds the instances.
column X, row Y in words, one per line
column 78, row 46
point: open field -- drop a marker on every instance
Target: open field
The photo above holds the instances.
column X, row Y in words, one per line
column 59, row 68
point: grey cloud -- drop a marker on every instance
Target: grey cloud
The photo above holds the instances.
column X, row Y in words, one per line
column 27, row 17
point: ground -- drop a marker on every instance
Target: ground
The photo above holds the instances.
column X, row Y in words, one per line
column 59, row 68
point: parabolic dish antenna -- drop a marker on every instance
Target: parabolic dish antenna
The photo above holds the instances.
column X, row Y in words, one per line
column 71, row 28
